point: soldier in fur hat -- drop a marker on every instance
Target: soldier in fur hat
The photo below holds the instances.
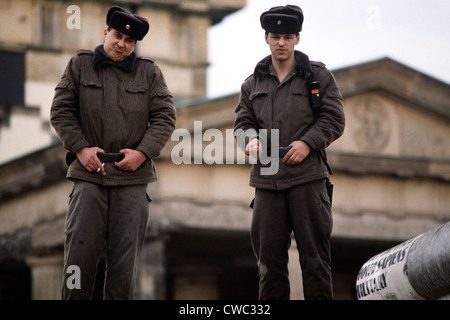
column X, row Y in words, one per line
column 294, row 199
column 101, row 111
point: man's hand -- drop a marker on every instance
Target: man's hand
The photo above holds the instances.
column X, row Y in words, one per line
column 133, row 160
column 254, row 148
column 299, row 151
column 88, row 158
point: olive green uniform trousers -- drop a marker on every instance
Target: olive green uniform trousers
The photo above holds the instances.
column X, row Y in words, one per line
column 110, row 220
column 305, row 210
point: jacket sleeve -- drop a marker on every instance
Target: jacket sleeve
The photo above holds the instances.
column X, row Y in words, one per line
column 331, row 121
column 64, row 111
column 162, row 117
column 245, row 123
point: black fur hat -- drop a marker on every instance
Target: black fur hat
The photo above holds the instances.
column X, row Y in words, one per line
column 126, row 22
column 283, row 19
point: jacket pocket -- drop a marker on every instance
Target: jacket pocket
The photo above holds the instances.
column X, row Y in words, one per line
column 300, row 90
column 135, row 97
column 63, row 84
column 257, row 95
column 299, row 114
column 90, row 83
column 261, row 107
column 135, row 88
column 91, row 94
column 163, row 93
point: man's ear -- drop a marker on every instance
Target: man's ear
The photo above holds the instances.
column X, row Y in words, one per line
column 266, row 37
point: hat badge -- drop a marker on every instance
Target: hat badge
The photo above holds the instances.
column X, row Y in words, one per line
column 279, row 22
column 127, row 26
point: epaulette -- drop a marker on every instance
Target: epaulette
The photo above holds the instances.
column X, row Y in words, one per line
column 318, row 64
column 146, row 58
column 249, row 77
column 85, row 52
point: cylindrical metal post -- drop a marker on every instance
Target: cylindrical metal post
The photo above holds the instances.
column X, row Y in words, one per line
column 415, row 269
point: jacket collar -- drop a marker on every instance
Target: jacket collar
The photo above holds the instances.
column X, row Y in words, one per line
column 302, row 65
column 100, row 56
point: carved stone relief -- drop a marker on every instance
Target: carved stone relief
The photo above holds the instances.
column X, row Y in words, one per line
column 372, row 127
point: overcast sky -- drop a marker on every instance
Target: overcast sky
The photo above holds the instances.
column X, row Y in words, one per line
column 339, row 33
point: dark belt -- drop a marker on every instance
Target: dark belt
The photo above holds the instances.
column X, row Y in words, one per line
column 110, row 157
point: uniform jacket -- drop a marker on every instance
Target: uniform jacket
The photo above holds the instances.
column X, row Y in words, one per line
column 265, row 103
column 100, row 103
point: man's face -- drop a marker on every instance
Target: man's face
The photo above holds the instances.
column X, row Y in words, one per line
column 117, row 45
column 282, row 46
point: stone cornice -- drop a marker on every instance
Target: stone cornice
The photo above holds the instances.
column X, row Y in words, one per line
column 32, row 171
column 401, row 167
column 215, row 9
column 397, row 79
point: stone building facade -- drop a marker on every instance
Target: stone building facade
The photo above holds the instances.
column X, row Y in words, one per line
column 391, row 176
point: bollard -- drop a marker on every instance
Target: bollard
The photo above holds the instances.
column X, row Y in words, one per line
column 417, row 269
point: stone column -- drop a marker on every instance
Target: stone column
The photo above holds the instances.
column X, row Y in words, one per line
column 46, row 277
column 151, row 278
column 295, row 273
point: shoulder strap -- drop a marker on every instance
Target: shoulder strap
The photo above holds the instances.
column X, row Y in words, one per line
column 83, row 51
column 313, row 87
column 146, row 58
